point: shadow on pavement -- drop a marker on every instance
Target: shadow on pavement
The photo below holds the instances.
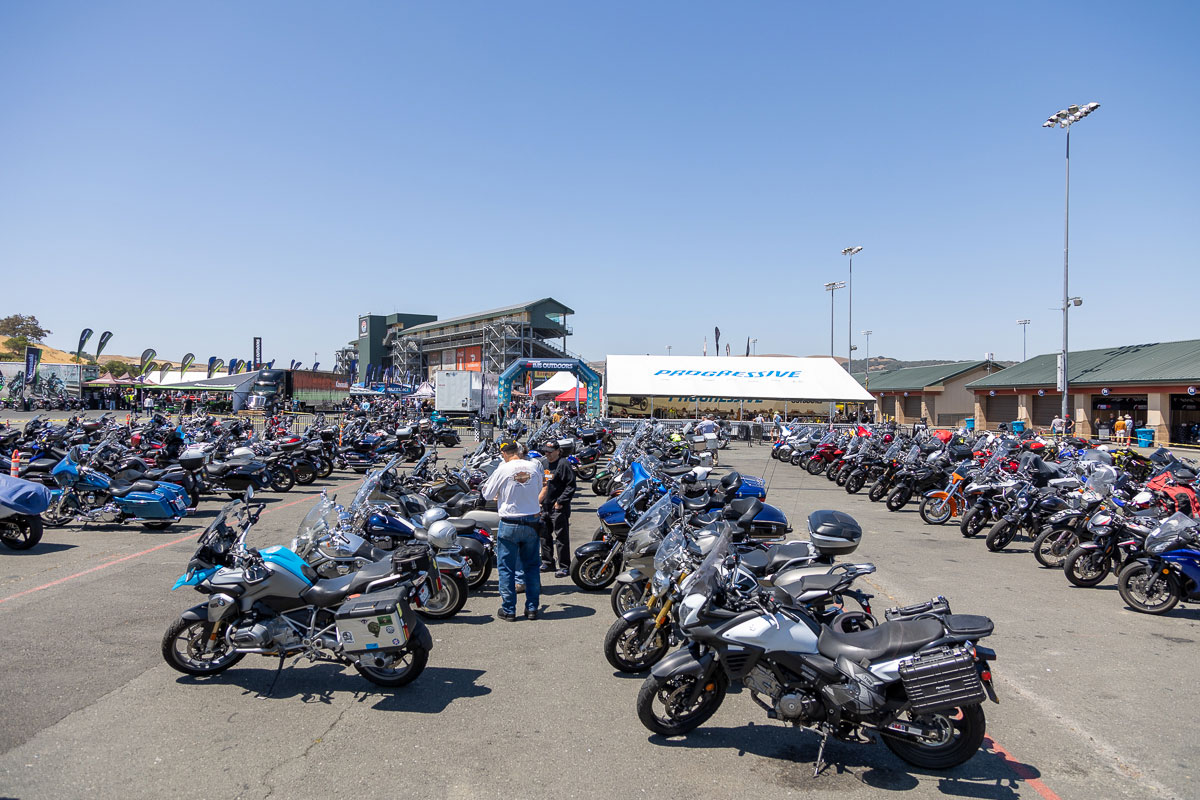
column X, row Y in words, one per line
column 432, row 691
column 567, row 611
column 40, row 549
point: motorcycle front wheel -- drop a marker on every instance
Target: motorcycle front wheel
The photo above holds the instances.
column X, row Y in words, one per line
column 626, row 648
column 878, row 491
column 447, row 602
column 282, row 479
column 831, row 474
column 815, row 466
column 1134, row 585
column 21, row 532
column 60, row 513
column 1000, row 536
column 972, row 522
column 601, row 485
column 627, row 596
column 854, row 483
column 898, row 498
column 935, row 510
column 408, row 665
column 1052, row 545
column 1086, row 568
column 663, row 707
column 324, row 468
column 183, row 648
column 962, row 732
column 590, row 573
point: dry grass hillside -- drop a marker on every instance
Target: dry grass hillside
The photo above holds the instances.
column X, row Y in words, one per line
column 52, row 355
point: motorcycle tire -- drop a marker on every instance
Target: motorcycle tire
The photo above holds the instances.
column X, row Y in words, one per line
column 1086, row 568
column 481, row 570
column 624, row 639
column 324, row 468
column 282, row 479
column 193, row 498
column 159, row 525
column 1000, row 536
column 609, row 447
column 929, row 513
column 1132, row 583
column 815, row 466
column 972, row 522
column 57, row 516
column 843, row 476
column 775, row 453
column 795, row 459
column 304, row 473
column 898, row 498
column 677, row 721
column 600, row 486
column 194, row 661
column 447, row 602
column 415, row 453
column 832, row 472
column 585, row 473
column 1052, row 546
column 21, row 532
column 968, row 726
column 878, row 491
column 590, row 574
column 416, row 658
column 626, row 597
column 854, row 483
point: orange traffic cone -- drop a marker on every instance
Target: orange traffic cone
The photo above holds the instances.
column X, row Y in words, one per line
column 15, row 469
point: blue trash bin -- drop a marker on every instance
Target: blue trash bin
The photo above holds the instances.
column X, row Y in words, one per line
column 1145, row 437
column 970, row 423
column 1017, row 427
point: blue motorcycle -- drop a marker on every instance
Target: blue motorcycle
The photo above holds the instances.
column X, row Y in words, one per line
column 88, row 495
column 21, row 502
column 1169, row 573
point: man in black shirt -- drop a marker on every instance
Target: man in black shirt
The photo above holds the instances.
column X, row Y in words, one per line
column 556, row 506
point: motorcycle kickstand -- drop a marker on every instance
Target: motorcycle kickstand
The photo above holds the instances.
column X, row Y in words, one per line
column 821, row 754
column 274, row 678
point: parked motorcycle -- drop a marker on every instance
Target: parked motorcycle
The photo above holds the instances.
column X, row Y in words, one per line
column 21, row 502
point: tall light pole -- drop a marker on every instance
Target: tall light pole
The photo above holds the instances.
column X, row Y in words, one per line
column 1024, row 323
column 1065, row 119
column 850, row 348
column 668, row 349
column 832, row 288
column 867, row 371
column 754, row 346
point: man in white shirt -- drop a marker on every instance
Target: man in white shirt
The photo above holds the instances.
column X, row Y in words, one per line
column 515, row 486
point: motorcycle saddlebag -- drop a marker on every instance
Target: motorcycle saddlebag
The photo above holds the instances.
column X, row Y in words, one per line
column 941, row 679
column 193, row 461
column 833, row 533
column 372, row 622
column 148, row 506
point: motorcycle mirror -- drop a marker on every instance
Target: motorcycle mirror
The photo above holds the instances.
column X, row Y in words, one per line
column 249, row 493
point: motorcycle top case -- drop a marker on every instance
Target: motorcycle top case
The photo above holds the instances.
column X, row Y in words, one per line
column 833, row 533
column 372, row 622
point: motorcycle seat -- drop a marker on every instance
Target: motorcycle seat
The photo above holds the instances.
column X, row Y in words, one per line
column 121, row 488
column 675, row 472
column 463, row 525
column 334, row 590
column 765, row 562
column 810, row 583
column 698, row 503
column 743, row 510
column 217, row 469
column 40, row 465
column 885, row 641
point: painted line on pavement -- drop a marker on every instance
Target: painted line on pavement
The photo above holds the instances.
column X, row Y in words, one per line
column 1022, row 771
column 130, row 557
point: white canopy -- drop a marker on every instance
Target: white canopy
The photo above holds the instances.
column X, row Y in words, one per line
column 425, row 390
column 767, row 378
column 559, row 382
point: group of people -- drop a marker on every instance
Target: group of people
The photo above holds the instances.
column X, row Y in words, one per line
column 535, row 522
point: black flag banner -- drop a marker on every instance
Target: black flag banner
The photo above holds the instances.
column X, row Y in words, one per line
column 185, row 363
column 83, row 340
column 214, row 364
column 147, row 355
column 104, row 337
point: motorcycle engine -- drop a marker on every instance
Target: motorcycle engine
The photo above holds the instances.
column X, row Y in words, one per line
column 272, row 633
column 799, row 707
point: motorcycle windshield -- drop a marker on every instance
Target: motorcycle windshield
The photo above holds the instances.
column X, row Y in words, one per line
column 914, row 453
column 362, row 498
column 670, row 548
column 656, row 515
column 321, row 518
column 707, row 578
column 1173, row 531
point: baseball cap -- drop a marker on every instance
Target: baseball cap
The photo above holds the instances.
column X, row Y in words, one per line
column 550, row 447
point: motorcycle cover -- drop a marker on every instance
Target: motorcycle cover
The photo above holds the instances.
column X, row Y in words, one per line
column 25, row 497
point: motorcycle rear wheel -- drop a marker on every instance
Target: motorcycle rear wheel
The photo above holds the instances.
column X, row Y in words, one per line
column 183, row 648
column 929, row 510
column 481, row 570
column 305, row 474
column 1132, row 585
column 964, row 730
column 1052, row 546
column 590, row 574
column 21, row 532
column 676, row 719
column 447, row 602
column 159, row 525
column 282, row 479
column 1000, row 536
column 413, row 661
column 625, row 639
column 1086, row 568
column 585, row 473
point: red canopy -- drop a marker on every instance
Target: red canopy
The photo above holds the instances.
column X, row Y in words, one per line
column 569, row 395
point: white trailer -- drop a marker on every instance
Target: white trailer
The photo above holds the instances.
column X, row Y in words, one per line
column 462, row 391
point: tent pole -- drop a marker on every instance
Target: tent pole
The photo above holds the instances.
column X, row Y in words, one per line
column 651, row 406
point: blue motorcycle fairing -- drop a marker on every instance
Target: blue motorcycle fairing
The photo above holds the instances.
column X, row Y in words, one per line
column 610, row 513
column 1188, row 562
column 288, row 560
column 193, row 578
column 379, row 521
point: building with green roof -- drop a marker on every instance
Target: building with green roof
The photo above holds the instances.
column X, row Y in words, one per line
column 937, row 393
column 1155, row 385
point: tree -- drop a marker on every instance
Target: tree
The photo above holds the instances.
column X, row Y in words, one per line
column 116, row 368
column 21, row 331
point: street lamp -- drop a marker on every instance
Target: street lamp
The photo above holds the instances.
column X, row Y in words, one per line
column 832, row 288
column 754, row 346
column 867, row 370
column 668, row 349
column 1065, row 119
column 851, row 252
column 1024, row 323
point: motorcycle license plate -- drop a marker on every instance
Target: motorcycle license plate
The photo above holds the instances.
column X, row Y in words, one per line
column 423, row 593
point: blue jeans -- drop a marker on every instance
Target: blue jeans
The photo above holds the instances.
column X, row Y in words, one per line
column 518, row 547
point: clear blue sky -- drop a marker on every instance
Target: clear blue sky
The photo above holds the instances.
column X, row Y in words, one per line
column 192, row 175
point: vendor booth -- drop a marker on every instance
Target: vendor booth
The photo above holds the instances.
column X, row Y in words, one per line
column 735, row 386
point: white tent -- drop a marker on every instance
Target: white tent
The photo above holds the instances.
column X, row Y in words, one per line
column 559, row 382
column 425, row 390
column 767, row 378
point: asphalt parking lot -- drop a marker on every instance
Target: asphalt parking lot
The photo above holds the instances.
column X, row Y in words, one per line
column 1095, row 700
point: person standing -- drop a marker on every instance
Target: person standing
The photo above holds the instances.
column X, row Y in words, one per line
column 556, row 507
column 516, row 486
